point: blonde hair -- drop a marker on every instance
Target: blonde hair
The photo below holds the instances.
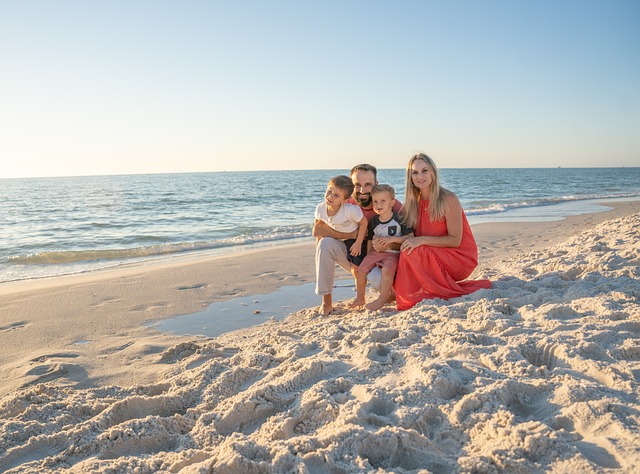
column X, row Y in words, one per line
column 384, row 188
column 437, row 193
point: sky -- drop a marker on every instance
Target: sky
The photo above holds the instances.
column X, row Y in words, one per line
column 155, row 86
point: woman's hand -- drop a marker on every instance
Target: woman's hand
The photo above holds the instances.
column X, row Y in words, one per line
column 386, row 241
column 382, row 244
column 410, row 244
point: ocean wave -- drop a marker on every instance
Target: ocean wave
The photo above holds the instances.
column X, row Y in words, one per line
column 495, row 208
column 63, row 257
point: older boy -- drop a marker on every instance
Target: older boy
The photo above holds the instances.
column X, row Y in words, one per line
column 344, row 218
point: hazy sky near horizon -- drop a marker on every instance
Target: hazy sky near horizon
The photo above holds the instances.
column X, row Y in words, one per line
column 151, row 86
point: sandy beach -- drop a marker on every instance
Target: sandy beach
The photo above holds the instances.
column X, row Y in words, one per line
column 538, row 374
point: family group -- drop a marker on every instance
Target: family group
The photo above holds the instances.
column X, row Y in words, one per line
column 418, row 250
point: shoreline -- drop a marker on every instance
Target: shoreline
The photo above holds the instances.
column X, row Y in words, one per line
column 554, row 213
column 494, row 239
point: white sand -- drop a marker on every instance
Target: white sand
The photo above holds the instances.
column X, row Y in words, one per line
column 538, row 374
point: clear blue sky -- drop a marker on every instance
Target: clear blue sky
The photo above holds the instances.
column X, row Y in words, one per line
column 146, row 86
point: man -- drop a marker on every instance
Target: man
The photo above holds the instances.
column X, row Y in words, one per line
column 330, row 250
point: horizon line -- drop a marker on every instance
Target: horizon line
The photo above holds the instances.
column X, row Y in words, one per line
column 301, row 169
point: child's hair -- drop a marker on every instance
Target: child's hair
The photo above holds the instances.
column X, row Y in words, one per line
column 384, row 188
column 343, row 183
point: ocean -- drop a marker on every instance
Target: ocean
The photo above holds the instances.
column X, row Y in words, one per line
column 56, row 226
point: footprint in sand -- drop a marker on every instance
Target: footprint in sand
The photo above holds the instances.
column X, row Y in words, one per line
column 149, row 307
column 591, row 350
column 178, row 352
column 119, row 348
column 632, row 327
column 389, row 451
column 307, row 349
column 48, row 373
column 526, row 402
column 259, row 275
column 430, row 423
column 35, row 450
column 558, row 312
column 149, row 439
column 629, row 350
column 382, row 335
column 247, row 410
column 13, row 326
column 106, row 302
column 597, row 454
column 379, row 353
column 588, row 447
column 58, row 355
column 541, row 355
column 197, row 286
column 375, row 409
column 379, row 411
column 231, row 292
column 139, row 407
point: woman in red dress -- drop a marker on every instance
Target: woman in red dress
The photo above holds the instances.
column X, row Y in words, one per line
column 434, row 263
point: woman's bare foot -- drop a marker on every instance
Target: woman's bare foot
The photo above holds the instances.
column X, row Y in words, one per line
column 392, row 296
column 376, row 304
column 356, row 304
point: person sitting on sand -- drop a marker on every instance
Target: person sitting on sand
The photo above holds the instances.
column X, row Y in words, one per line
column 343, row 217
column 443, row 252
column 330, row 250
column 389, row 227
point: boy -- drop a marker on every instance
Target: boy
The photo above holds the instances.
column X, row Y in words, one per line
column 343, row 217
column 388, row 225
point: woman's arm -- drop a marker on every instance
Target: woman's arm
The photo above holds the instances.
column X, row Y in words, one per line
column 380, row 246
column 387, row 241
column 453, row 217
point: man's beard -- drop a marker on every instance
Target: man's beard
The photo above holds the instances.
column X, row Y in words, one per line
column 364, row 199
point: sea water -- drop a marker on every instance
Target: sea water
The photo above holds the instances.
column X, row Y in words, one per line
column 55, row 226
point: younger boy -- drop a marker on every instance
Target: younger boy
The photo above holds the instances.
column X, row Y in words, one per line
column 388, row 225
column 343, row 217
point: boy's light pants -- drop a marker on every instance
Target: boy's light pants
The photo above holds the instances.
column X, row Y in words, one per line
column 330, row 252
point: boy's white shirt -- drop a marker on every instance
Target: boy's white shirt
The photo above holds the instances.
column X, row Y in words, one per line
column 345, row 220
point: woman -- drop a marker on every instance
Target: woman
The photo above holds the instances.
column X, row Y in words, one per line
column 443, row 251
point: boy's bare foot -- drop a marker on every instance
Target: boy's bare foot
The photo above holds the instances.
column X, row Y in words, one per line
column 356, row 304
column 375, row 305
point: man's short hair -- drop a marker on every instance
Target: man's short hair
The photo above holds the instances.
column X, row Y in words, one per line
column 343, row 183
column 365, row 167
column 384, row 188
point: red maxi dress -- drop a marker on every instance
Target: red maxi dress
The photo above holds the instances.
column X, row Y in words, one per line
column 437, row 272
